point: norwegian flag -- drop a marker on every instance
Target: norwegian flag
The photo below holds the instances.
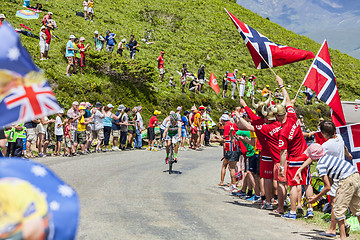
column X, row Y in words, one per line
column 24, row 93
column 261, row 48
column 350, row 135
column 321, row 79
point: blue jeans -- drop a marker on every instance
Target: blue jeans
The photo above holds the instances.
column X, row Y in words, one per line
column 138, row 139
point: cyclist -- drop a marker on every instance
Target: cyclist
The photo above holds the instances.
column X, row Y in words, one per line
column 172, row 129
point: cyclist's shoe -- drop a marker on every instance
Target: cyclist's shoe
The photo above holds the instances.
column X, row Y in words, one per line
column 309, row 214
column 289, row 216
column 175, row 160
column 166, row 160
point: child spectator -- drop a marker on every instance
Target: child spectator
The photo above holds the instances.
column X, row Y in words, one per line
column 59, row 132
column 42, row 42
column 2, row 19
column 171, row 82
column 121, row 47
column 68, row 137
column 81, row 129
column 46, row 18
column 90, row 10
column 48, row 40
column 86, row 4
column 70, row 53
column 82, row 50
column 98, row 41
column 77, row 55
column 110, row 41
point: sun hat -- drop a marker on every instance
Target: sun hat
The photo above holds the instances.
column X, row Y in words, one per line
column 82, row 108
column 61, row 111
column 110, row 105
column 179, row 108
column 72, row 36
column 225, row 117
column 98, row 104
column 50, row 13
column 121, row 107
column 83, row 104
column 193, row 108
column 201, row 108
column 123, row 40
column 2, row 16
column 315, row 151
column 96, row 32
column 236, row 70
column 82, row 39
column 75, row 103
column 244, row 74
column 42, row 28
column 156, row 112
column 267, row 86
column 87, row 104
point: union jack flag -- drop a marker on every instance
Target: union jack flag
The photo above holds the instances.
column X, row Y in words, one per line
column 24, row 93
column 261, row 48
column 321, row 79
column 350, row 135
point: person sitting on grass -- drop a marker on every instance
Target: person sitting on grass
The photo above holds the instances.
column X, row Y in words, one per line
column 332, row 168
column 194, row 86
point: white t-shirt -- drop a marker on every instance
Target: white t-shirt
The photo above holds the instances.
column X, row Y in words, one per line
column 98, row 120
column 140, row 120
column 58, row 130
column 335, row 147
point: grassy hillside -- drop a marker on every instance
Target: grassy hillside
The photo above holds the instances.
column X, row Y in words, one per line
column 193, row 31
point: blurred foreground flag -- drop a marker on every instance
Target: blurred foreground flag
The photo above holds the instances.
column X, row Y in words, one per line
column 350, row 135
column 259, row 45
column 213, row 83
column 24, row 92
column 321, row 79
column 35, row 203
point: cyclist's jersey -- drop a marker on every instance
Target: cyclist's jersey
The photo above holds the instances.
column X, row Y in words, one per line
column 173, row 129
column 20, row 202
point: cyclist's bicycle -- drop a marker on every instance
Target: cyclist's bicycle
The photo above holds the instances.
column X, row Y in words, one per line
column 149, row 35
column 174, row 141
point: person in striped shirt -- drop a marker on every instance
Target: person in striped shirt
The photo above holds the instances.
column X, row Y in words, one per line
column 332, row 168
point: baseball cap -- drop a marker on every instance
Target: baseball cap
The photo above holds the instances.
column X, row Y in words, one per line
column 96, row 32
column 121, row 107
column 61, row 111
column 193, row 108
column 156, row 112
column 267, row 85
column 98, row 104
column 87, row 104
column 162, row 52
column 82, row 39
column 172, row 112
column 2, row 16
column 301, row 116
column 50, row 13
column 81, row 108
column 179, row 108
column 42, row 27
column 123, row 40
column 72, row 36
column 315, row 151
column 225, row 117
column 110, row 105
column 236, row 70
column 201, row 108
column 75, row 103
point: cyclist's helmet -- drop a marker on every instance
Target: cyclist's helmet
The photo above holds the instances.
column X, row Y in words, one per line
column 173, row 117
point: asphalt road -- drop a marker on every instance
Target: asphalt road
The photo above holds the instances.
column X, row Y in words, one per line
column 128, row 195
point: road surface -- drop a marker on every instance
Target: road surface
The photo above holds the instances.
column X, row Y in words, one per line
column 128, row 195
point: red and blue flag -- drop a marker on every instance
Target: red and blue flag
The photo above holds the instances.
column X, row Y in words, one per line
column 321, row 79
column 350, row 135
column 261, row 48
column 24, row 92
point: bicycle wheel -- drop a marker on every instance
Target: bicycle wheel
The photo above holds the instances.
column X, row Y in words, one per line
column 171, row 158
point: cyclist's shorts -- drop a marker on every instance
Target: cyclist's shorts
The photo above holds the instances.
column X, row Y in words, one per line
column 170, row 136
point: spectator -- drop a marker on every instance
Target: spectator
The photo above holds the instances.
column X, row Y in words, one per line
column 225, row 84
column 48, row 40
column 184, row 129
column 90, row 10
column 59, row 132
column 171, row 82
column 233, row 85
column 183, row 76
column 14, row 141
column 43, row 135
column 194, row 86
column 121, row 46
column 77, row 55
column 201, row 77
column 30, row 136
column 81, row 129
column 85, row 5
column 42, row 42
column 3, row 143
column 251, row 86
column 2, row 19
column 160, row 61
column 82, row 50
column 278, row 95
column 151, row 130
column 107, row 122
column 70, row 54
column 110, row 41
column 266, row 91
column 89, row 126
column 139, row 128
column 308, row 95
column 133, row 44
column 74, row 115
column 242, row 83
column 46, row 18
column 98, row 41
column 131, row 128
column 116, row 127
column 68, row 138
column 98, row 127
column 124, row 128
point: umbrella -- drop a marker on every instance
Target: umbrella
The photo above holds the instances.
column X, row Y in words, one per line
column 27, row 14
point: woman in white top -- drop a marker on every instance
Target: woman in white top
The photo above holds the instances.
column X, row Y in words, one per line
column 43, row 131
column 42, row 42
column 85, row 4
